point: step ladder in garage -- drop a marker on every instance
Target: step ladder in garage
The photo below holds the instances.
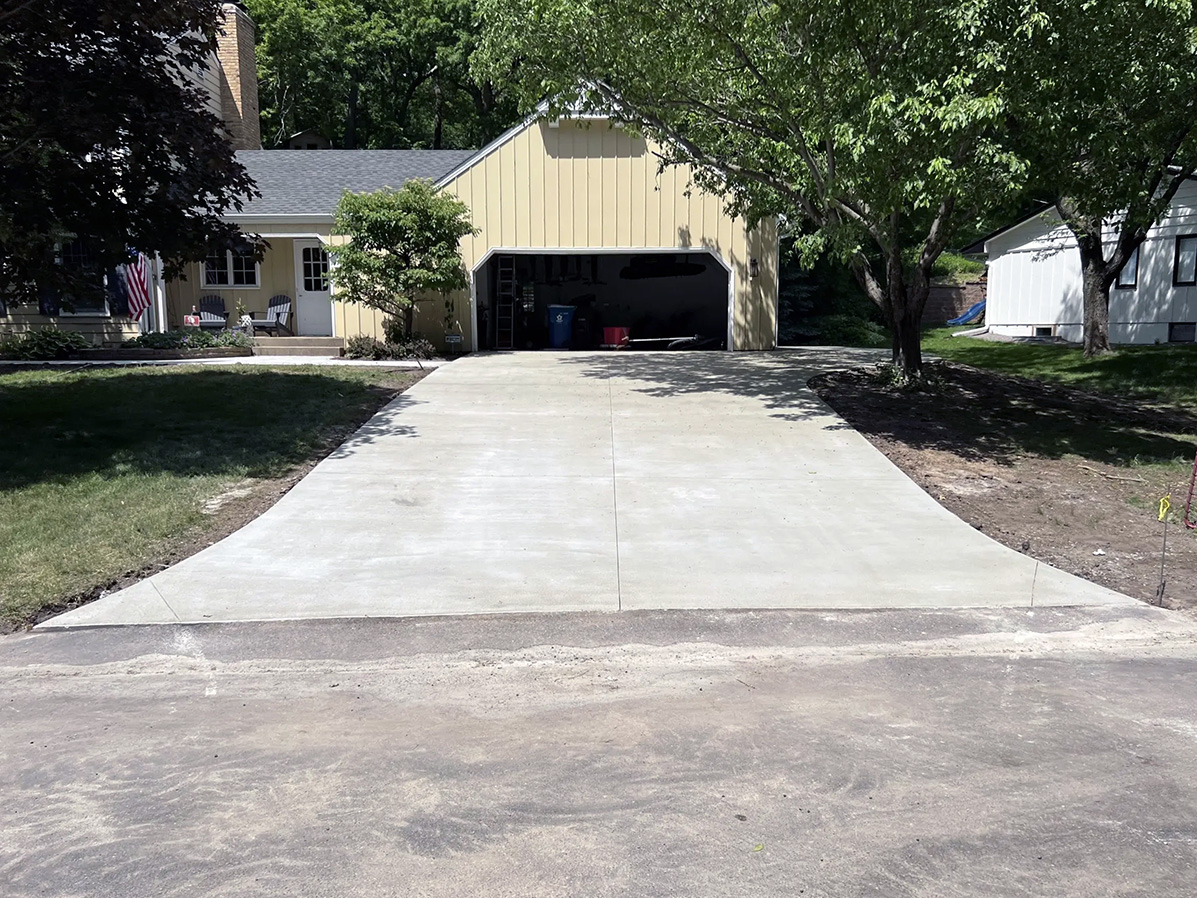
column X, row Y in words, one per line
column 505, row 308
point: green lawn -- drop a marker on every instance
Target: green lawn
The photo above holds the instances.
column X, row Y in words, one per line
column 102, row 470
column 1156, row 375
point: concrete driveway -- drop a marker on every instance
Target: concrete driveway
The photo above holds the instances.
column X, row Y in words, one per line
column 586, row 481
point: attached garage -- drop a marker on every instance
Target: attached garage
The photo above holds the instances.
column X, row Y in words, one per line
column 566, row 300
column 579, row 213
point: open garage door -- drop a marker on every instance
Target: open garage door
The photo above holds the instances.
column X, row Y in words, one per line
column 652, row 300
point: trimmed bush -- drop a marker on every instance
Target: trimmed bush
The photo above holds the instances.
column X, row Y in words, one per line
column 43, row 344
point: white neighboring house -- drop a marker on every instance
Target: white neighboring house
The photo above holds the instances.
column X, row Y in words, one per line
column 1035, row 279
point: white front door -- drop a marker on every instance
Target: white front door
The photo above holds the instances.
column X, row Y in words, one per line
column 313, row 299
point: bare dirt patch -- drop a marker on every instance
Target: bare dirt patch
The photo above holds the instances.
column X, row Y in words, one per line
column 1068, row 477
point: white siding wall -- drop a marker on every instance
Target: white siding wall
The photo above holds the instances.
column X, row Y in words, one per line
column 1035, row 280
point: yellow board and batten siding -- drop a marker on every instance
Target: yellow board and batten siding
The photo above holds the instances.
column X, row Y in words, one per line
column 106, row 331
column 276, row 275
column 591, row 186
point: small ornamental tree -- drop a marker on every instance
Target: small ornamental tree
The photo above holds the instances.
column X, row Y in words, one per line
column 403, row 245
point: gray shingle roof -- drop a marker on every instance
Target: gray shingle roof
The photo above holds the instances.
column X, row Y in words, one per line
column 309, row 182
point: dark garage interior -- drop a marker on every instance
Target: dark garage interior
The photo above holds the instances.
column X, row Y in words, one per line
column 649, row 300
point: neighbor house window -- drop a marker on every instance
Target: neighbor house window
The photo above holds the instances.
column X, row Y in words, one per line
column 1182, row 333
column 1128, row 277
column 231, row 268
column 1184, row 271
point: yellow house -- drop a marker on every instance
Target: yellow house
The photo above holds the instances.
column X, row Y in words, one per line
column 571, row 214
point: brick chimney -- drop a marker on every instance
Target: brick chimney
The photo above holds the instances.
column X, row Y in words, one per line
column 239, row 78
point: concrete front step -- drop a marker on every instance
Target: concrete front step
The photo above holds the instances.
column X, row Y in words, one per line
column 336, row 342
column 325, row 352
column 326, row 347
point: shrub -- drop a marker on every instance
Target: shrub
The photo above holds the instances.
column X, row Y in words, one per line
column 849, row 330
column 46, row 343
column 185, row 339
column 392, row 330
column 363, row 347
column 411, row 348
column 956, row 266
column 190, row 339
column 234, row 340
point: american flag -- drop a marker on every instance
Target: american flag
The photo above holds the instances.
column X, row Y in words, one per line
column 137, row 283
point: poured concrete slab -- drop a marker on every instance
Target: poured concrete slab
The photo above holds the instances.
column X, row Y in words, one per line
column 587, row 481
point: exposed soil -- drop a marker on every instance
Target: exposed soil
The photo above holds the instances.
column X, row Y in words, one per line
column 1068, row 477
column 225, row 514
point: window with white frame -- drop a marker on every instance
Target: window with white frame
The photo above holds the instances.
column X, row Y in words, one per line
column 231, row 268
column 1128, row 277
column 1184, row 270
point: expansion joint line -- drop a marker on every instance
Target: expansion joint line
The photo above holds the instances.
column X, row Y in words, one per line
column 614, row 487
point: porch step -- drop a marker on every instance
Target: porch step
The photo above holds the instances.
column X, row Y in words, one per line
column 307, row 346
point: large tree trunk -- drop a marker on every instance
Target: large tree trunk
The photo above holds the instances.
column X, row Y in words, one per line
column 908, row 325
column 351, row 119
column 1097, row 314
column 901, row 299
column 1095, row 291
column 438, row 105
column 1097, row 275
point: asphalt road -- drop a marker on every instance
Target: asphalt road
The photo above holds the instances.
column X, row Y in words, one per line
column 951, row 753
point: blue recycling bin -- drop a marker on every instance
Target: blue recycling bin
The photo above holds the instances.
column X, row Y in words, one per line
column 561, row 326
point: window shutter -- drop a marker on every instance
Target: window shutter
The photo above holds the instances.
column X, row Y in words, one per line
column 49, row 302
column 118, row 292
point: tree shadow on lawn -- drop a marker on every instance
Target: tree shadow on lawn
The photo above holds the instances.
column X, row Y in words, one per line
column 1164, row 373
column 58, row 425
column 982, row 415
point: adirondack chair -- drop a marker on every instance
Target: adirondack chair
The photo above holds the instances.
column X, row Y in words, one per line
column 212, row 313
column 278, row 314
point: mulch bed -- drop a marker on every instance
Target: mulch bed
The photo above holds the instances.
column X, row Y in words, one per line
column 1068, row 477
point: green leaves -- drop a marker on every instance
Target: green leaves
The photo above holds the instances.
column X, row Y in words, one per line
column 375, row 73
column 402, row 244
column 104, row 135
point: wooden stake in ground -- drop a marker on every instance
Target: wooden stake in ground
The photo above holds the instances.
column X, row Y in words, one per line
column 1165, row 505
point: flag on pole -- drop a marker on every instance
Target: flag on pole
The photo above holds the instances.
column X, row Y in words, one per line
column 137, row 284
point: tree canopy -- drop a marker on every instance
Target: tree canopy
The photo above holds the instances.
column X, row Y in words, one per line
column 876, row 125
column 105, row 136
column 402, row 246
column 1103, row 104
column 382, row 74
